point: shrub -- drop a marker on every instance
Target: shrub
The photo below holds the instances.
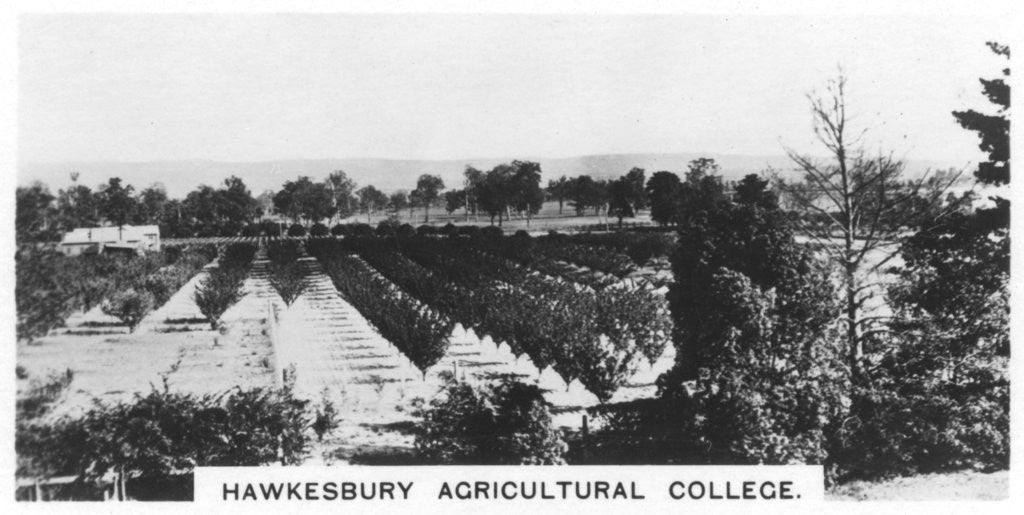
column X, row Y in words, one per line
column 426, row 230
column 319, row 230
column 251, row 230
column 230, row 228
column 270, row 228
column 450, row 230
column 504, row 422
column 405, row 231
column 288, row 280
column 386, row 228
column 362, row 230
column 340, row 230
column 129, row 306
column 216, row 293
column 491, row 233
column 162, row 434
column 757, row 362
column 472, row 231
column 207, row 231
column 296, row 231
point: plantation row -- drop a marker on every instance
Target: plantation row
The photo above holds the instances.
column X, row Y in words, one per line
column 222, row 287
column 50, row 286
column 596, row 336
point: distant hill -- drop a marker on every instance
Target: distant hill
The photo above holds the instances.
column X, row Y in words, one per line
column 180, row 177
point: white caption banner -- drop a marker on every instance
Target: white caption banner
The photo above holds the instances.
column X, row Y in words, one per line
column 455, row 488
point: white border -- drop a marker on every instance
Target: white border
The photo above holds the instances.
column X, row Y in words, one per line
column 8, row 84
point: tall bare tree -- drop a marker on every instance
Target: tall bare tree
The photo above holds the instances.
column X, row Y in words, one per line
column 859, row 209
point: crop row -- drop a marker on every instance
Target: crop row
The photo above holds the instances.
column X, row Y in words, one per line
column 50, row 286
column 418, row 332
column 583, row 334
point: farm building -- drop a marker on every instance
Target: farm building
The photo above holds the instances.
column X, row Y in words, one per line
column 126, row 238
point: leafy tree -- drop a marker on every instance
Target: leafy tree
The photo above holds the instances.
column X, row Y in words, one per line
column 151, row 205
column 633, row 183
column 662, row 195
column 559, row 189
column 527, row 195
column 129, row 306
column 304, row 199
column 428, row 188
column 753, row 190
column 505, row 423
column 619, row 204
column 756, row 362
column 370, row 200
column 117, row 202
column 495, row 192
column 235, row 203
column 454, row 200
column 77, row 206
column 398, row 201
column 472, row 182
column 200, row 206
column 33, row 211
column 585, row 192
column 341, row 189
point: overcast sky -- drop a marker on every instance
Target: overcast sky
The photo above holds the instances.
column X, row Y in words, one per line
column 260, row 87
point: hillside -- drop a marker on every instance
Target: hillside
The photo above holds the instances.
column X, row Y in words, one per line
column 180, row 177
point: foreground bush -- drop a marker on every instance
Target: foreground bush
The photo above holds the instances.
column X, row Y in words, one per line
column 163, row 435
column 758, row 364
column 505, row 423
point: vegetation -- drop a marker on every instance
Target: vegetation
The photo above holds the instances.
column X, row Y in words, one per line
column 499, row 423
column 222, row 287
column 163, row 435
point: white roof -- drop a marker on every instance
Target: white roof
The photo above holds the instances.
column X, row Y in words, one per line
column 125, row 233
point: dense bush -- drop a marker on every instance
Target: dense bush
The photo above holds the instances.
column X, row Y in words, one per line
column 757, row 363
column 426, row 230
column 506, row 423
column 469, row 230
column 251, row 230
column 164, row 434
column 222, row 287
column 217, row 292
column 50, row 286
column 491, row 233
column 421, row 334
column 362, row 230
column 938, row 398
column 230, row 228
column 319, row 230
column 129, row 306
column 405, row 231
column 270, row 228
column 296, row 231
column 449, row 230
column 340, row 230
column 387, row 228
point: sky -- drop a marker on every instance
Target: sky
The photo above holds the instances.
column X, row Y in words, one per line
column 237, row 87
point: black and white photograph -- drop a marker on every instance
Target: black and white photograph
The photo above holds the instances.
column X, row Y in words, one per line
column 359, row 240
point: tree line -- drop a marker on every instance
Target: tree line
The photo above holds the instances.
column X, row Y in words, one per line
column 507, row 191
